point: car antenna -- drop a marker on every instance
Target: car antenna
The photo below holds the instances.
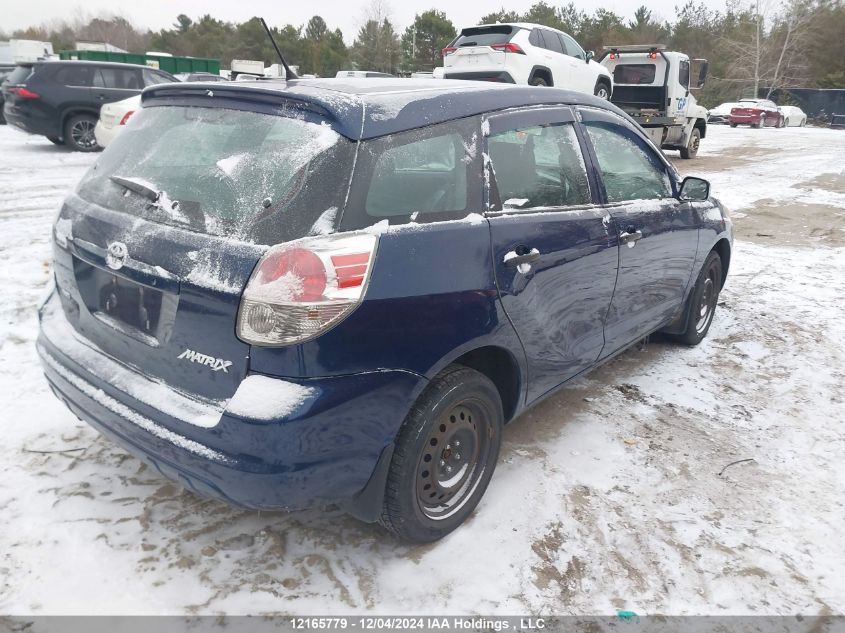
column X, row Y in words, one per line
column 289, row 74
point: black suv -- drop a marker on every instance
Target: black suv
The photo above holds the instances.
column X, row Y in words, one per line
column 61, row 99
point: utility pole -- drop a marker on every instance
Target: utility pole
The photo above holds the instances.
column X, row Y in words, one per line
column 757, row 53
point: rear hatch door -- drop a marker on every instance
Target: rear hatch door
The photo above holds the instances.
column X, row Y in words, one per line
column 472, row 48
column 156, row 246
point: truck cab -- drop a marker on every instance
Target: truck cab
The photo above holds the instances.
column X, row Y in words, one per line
column 653, row 85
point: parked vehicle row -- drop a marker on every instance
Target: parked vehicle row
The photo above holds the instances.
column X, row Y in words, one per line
column 352, row 288
column 757, row 113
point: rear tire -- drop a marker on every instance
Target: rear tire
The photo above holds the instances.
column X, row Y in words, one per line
column 79, row 133
column 702, row 301
column 538, row 81
column 691, row 150
column 756, row 126
column 733, row 124
column 444, row 456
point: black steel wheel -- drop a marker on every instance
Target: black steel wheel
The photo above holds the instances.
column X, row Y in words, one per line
column 79, row 133
column 444, row 456
column 702, row 301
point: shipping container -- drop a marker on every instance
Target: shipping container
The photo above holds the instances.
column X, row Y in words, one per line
column 167, row 63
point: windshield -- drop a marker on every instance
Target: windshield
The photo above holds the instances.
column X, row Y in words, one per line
column 231, row 173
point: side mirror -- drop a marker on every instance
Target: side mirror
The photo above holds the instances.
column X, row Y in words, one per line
column 694, row 189
column 702, row 73
column 590, row 55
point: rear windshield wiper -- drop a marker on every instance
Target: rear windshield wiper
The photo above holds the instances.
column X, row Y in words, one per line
column 138, row 186
column 148, row 190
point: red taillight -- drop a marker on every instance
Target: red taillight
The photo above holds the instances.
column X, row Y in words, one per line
column 300, row 289
column 612, row 56
column 448, row 50
column 350, row 269
column 126, row 117
column 25, row 93
column 652, row 55
column 508, row 48
column 296, row 274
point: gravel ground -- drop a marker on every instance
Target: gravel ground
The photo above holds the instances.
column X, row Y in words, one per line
column 617, row 493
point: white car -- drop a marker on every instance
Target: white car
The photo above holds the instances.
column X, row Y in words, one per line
column 720, row 113
column 525, row 54
column 793, row 116
column 113, row 119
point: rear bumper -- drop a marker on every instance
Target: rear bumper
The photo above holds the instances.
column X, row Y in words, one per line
column 105, row 134
column 495, row 76
column 325, row 450
column 744, row 119
column 32, row 122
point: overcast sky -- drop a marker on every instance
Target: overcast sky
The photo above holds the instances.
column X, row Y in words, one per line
column 344, row 14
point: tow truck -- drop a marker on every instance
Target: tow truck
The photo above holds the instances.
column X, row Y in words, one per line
column 653, row 86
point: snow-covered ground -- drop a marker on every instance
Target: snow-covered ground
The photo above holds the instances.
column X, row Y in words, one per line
column 614, row 494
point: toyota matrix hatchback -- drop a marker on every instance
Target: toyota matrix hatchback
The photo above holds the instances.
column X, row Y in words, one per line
column 329, row 291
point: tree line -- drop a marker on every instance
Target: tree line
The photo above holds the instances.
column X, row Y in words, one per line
column 799, row 44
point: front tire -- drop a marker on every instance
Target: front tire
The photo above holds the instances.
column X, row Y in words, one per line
column 602, row 91
column 691, row 150
column 79, row 133
column 444, row 456
column 702, row 301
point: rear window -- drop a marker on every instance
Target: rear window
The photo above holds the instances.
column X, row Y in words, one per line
column 634, row 73
column 233, row 173
column 19, row 75
column 485, row 35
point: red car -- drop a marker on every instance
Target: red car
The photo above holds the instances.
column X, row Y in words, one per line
column 756, row 113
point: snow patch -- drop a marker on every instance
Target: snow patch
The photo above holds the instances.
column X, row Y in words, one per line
column 230, row 164
column 64, row 231
column 325, row 223
column 263, row 398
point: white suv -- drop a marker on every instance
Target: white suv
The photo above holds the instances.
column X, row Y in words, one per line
column 525, row 54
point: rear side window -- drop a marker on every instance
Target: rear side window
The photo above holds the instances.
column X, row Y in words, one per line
column 19, row 75
column 234, row 173
column 539, row 166
column 636, row 74
column 629, row 168
column 485, row 35
column 423, row 176
column 76, row 75
column 120, row 78
column 552, row 41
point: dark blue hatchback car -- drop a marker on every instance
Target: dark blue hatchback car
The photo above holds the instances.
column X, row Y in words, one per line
column 329, row 291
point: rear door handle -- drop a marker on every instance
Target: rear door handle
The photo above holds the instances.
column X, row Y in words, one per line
column 514, row 259
column 630, row 237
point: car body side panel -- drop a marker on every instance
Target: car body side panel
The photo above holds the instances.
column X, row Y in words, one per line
column 431, row 298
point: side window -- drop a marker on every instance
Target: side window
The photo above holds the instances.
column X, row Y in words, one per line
column 152, row 78
column 76, row 75
column 552, row 41
column 629, row 167
column 536, row 38
column 683, row 74
column 573, row 49
column 120, row 78
column 539, row 166
column 419, row 173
